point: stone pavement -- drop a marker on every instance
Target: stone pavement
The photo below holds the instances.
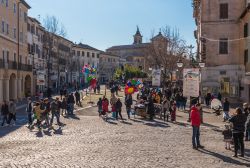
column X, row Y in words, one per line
column 88, row 141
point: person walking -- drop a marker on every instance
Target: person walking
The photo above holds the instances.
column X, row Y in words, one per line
column 238, row 121
column 151, row 109
column 128, row 103
column 246, row 113
column 5, row 112
column 105, row 106
column 99, row 105
column 29, row 110
column 196, row 122
column 12, row 112
column 118, row 106
column 226, row 105
column 248, row 128
column 166, row 106
column 55, row 112
column 78, row 99
column 113, row 101
column 64, row 106
column 71, row 102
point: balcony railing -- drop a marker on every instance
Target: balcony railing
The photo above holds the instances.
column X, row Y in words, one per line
column 13, row 65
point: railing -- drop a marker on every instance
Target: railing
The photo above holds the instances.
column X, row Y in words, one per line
column 13, row 65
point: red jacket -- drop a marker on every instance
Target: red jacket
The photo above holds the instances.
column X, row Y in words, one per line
column 195, row 117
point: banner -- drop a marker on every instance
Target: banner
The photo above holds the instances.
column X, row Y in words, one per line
column 156, row 77
column 191, row 79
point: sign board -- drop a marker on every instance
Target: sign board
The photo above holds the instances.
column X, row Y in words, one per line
column 40, row 77
column 191, row 79
column 156, row 77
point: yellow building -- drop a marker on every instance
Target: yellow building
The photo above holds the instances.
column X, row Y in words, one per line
column 15, row 73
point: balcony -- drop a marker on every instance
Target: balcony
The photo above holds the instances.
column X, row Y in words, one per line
column 13, row 65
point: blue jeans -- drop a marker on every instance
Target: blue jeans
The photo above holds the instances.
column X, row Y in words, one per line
column 196, row 136
column 226, row 115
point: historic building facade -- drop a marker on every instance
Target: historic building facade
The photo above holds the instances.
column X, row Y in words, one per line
column 83, row 54
column 219, row 46
column 36, row 56
column 15, row 72
column 134, row 53
column 108, row 64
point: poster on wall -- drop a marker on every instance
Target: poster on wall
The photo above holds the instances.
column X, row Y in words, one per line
column 191, row 78
column 41, row 78
column 156, row 77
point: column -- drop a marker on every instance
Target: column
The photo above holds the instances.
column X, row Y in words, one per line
column 7, row 89
column 1, row 90
column 19, row 89
column 14, row 89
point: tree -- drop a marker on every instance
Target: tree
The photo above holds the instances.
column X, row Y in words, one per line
column 129, row 72
column 52, row 30
column 165, row 50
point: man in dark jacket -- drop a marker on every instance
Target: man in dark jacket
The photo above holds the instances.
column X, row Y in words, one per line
column 77, row 96
column 128, row 103
column 196, row 122
column 29, row 110
column 118, row 107
column 5, row 112
column 55, row 112
column 71, row 102
column 238, row 131
column 151, row 109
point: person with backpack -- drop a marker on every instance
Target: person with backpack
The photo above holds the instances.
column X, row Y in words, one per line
column 12, row 112
column 5, row 112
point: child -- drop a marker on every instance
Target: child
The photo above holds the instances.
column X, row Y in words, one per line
column 172, row 110
column 113, row 111
column 99, row 104
column 227, row 136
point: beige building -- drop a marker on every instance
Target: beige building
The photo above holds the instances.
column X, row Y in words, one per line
column 15, row 73
column 219, row 44
column 108, row 64
column 36, row 56
column 83, row 54
column 134, row 53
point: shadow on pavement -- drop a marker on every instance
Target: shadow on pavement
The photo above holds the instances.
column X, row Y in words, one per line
column 157, row 124
column 210, row 125
column 58, row 131
column 125, row 122
column 110, row 121
column 39, row 134
column 72, row 117
column 182, row 124
column 224, row 158
column 137, row 120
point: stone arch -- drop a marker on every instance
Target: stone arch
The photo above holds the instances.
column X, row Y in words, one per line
column 13, row 87
column 27, row 85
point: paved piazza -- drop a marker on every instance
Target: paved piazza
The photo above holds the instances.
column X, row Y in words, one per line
column 88, row 141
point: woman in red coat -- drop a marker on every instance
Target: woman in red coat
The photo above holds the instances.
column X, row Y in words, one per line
column 105, row 105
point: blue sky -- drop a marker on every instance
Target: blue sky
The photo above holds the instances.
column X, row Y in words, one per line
column 104, row 23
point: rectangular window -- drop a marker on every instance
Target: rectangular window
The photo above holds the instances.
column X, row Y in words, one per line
column 83, row 53
column 21, row 36
column 74, row 52
column 224, row 11
column 93, row 55
column 223, row 46
column 25, row 16
column 36, row 31
column 246, row 30
column 28, row 48
column 14, row 57
column 3, row 24
column 7, row 3
column 87, row 54
column 7, row 28
column 14, row 8
column 32, row 28
column 7, row 54
column 78, row 53
column 245, row 57
column 3, row 53
column 20, row 59
column 14, row 32
column 98, row 55
column 28, row 27
column 37, row 49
